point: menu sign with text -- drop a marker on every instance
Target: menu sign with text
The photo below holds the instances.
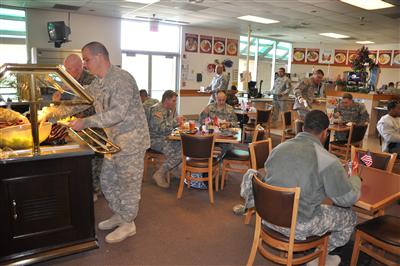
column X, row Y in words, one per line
column 299, row 55
column 191, row 42
column 340, row 57
column 219, row 45
column 205, row 44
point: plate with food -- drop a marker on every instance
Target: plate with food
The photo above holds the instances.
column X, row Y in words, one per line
column 384, row 59
column 219, row 47
column 205, row 46
column 65, row 121
column 352, row 57
column 396, row 59
column 191, row 45
column 312, row 56
column 298, row 56
column 232, row 49
column 340, row 58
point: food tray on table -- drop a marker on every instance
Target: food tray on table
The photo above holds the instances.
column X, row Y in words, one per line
column 178, row 131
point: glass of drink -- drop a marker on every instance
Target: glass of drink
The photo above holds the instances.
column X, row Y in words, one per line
column 192, row 125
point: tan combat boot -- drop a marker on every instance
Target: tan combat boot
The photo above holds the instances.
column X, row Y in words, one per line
column 123, row 231
column 111, row 223
column 159, row 177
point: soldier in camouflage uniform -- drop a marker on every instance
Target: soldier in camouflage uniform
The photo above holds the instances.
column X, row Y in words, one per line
column 120, row 113
column 147, row 101
column 219, row 109
column 304, row 93
column 319, row 175
column 220, row 81
column 280, row 92
column 349, row 111
column 73, row 65
column 8, row 116
column 162, row 120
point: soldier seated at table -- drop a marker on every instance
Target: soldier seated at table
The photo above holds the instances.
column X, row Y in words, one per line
column 231, row 98
column 162, row 120
column 389, row 128
column 147, row 101
column 349, row 111
column 219, row 109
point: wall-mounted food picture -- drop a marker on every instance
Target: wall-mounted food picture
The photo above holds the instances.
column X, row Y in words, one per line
column 205, row 44
column 312, row 55
column 219, row 45
column 191, row 42
column 340, row 56
column 384, row 57
column 231, row 47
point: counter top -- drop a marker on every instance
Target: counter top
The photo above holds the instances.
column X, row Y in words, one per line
column 357, row 95
column 193, row 93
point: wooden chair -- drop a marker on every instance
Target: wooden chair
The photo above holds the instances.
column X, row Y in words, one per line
column 380, row 160
column 263, row 118
column 155, row 158
column 259, row 152
column 279, row 206
column 341, row 148
column 382, row 232
column 239, row 156
column 288, row 131
column 197, row 157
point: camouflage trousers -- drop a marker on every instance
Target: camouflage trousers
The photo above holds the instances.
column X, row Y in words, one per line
column 279, row 106
column 97, row 163
column 339, row 221
column 121, row 183
column 172, row 151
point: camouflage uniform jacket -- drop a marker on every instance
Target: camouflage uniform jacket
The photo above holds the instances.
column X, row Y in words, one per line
column 355, row 113
column 282, row 87
column 118, row 110
column 161, row 122
column 226, row 113
column 305, row 90
column 147, row 105
column 318, row 173
column 9, row 116
column 86, row 79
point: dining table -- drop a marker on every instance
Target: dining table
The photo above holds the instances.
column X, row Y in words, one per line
column 220, row 137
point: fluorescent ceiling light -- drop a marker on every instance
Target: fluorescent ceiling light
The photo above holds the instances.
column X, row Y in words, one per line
column 368, row 4
column 258, row 19
column 334, row 35
column 143, row 1
column 364, row 42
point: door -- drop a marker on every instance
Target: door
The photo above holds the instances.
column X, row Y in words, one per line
column 153, row 72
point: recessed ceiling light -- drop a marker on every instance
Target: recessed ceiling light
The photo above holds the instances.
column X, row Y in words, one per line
column 368, row 4
column 143, row 1
column 334, row 35
column 258, row 19
column 364, row 42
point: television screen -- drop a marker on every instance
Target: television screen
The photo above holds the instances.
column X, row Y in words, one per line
column 354, row 77
column 58, row 31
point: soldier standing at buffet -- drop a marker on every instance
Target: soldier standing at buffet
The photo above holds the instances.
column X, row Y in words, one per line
column 162, row 120
column 120, row 112
column 280, row 93
column 304, row 93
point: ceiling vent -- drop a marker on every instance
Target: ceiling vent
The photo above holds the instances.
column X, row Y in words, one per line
column 295, row 27
column 66, row 7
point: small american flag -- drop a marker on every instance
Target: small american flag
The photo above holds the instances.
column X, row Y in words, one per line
column 367, row 159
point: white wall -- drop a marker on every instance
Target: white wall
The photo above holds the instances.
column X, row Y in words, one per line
column 84, row 29
column 331, row 72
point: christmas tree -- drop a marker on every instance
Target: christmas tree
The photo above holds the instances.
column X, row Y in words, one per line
column 362, row 60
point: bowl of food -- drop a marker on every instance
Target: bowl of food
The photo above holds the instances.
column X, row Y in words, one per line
column 20, row 137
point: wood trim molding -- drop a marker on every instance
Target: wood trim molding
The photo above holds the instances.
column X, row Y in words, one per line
column 193, row 93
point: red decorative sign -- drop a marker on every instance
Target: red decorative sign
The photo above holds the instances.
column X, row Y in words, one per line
column 340, row 57
column 219, row 45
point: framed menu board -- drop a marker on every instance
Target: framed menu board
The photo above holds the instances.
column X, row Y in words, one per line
column 312, row 55
column 191, row 42
column 351, row 56
column 396, row 58
column 205, row 44
column 232, row 47
column 299, row 55
column 385, row 57
column 340, row 57
column 219, row 46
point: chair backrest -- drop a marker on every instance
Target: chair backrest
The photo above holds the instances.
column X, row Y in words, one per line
column 298, row 126
column 287, row 119
column 259, row 134
column 197, row 146
column 358, row 133
column 263, row 115
column 380, row 160
column 259, row 152
column 276, row 205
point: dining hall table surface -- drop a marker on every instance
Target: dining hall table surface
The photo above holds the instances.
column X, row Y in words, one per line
column 236, row 138
column 378, row 189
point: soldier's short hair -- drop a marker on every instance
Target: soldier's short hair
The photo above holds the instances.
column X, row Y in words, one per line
column 168, row 94
column 315, row 122
column 282, row 68
column 143, row 93
column 320, row 72
column 96, row 48
column 347, row 96
column 220, row 91
column 392, row 104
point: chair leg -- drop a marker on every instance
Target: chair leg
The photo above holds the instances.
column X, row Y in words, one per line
column 224, row 164
column 217, row 178
column 181, row 183
column 324, row 253
column 248, row 215
column 145, row 166
column 256, row 239
column 356, row 249
column 210, row 187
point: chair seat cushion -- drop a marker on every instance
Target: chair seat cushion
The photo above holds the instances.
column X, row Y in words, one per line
column 339, row 142
column 289, row 131
column 384, row 228
column 200, row 163
column 237, row 154
column 153, row 151
column 283, row 238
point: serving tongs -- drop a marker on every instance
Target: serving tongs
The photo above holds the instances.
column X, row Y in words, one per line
column 95, row 141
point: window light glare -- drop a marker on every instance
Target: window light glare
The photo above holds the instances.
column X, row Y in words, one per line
column 143, row 1
column 334, row 35
column 258, row 19
column 368, row 4
column 364, row 42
